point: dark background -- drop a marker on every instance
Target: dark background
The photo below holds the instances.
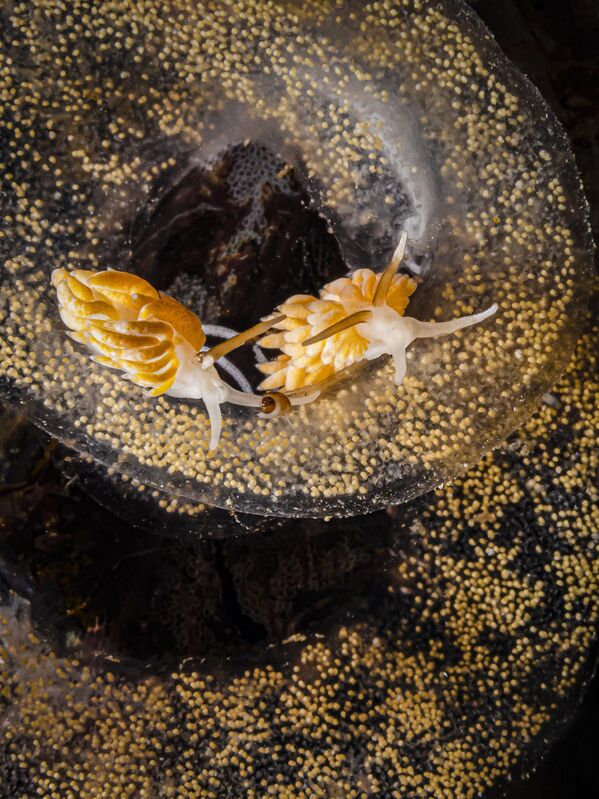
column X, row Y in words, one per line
column 557, row 45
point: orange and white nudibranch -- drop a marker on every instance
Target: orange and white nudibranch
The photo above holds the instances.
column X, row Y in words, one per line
column 153, row 340
column 359, row 317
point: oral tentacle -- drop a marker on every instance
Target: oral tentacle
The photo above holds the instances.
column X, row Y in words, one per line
column 401, row 366
column 233, row 372
column 212, row 402
column 248, row 400
column 420, row 329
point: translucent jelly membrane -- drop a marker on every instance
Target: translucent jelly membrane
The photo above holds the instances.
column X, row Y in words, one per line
column 408, row 119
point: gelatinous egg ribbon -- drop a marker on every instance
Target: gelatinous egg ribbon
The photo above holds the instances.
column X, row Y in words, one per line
column 403, row 116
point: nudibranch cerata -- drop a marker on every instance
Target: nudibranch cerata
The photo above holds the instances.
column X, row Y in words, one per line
column 359, row 317
column 154, row 340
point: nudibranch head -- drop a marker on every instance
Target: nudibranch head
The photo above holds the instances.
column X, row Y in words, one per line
column 359, row 317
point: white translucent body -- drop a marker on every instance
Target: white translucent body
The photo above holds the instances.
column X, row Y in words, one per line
column 391, row 334
column 194, row 381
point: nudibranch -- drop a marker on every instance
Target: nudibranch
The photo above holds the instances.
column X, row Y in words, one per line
column 359, row 317
column 154, row 340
